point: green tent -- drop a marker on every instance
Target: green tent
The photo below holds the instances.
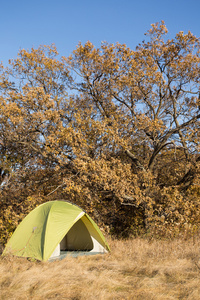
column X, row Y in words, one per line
column 54, row 227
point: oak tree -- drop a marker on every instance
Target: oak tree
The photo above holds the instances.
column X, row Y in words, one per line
column 112, row 129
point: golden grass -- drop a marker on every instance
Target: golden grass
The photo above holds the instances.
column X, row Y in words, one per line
column 135, row 269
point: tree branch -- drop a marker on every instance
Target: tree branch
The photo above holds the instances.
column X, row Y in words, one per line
column 135, row 160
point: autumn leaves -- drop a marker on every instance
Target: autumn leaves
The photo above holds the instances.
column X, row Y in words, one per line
column 109, row 126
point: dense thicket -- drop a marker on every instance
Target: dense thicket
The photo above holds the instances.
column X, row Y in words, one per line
column 111, row 129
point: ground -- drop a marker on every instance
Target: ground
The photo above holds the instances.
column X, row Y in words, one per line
column 135, row 269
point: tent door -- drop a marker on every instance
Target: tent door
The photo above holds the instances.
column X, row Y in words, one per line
column 78, row 238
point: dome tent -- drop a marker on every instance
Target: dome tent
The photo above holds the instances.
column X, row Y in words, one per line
column 53, row 227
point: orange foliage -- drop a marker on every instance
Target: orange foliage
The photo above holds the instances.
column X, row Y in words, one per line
column 112, row 129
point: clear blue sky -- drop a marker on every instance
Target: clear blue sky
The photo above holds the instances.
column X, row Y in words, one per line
column 26, row 24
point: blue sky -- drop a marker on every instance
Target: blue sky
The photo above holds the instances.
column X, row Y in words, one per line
column 26, row 24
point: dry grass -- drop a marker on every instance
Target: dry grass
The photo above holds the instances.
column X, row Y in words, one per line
column 135, row 269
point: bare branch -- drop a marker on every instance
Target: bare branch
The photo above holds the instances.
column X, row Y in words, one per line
column 61, row 185
column 135, row 160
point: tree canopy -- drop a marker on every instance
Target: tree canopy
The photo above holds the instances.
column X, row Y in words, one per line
column 112, row 129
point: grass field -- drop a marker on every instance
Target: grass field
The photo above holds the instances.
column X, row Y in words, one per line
column 135, row 269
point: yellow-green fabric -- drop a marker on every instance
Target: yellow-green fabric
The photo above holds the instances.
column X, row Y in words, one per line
column 42, row 230
column 95, row 231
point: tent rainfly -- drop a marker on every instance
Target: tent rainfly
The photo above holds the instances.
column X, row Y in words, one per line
column 54, row 227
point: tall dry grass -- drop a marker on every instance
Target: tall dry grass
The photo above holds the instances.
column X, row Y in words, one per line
column 135, row 269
